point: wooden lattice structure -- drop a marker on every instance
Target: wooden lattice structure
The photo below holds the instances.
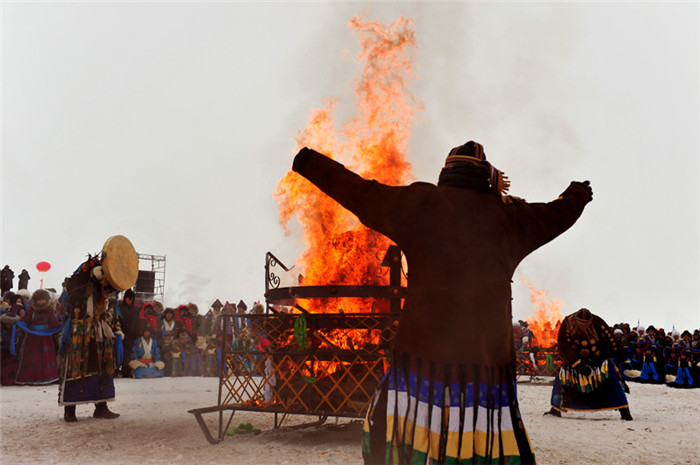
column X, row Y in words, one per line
column 538, row 362
column 297, row 368
column 290, row 361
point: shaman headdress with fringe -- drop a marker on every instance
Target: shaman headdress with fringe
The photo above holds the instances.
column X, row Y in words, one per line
column 466, row 166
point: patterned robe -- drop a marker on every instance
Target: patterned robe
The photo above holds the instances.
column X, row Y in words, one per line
column 450, row 392
column 146, row 365
column 589, row 378
column 37, row 362
column 87, row 354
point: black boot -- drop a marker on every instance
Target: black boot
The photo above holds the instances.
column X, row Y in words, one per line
column 625, row 414
column 69, row 413
column 101, row 411
column 553, row 411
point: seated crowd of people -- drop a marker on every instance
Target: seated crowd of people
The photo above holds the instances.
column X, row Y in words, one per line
column 155, row 341
column 179, row 341
column 647, row 355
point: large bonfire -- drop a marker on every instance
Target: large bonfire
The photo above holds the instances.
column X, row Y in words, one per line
column 546, row 320
column 338, row 248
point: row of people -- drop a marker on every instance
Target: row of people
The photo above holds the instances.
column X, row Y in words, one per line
column 654, row 357
column 184, row 342
column 188, row 343
column 7, row 276
column 646, row 355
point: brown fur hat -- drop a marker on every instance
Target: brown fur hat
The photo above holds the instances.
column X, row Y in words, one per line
column 40, row 295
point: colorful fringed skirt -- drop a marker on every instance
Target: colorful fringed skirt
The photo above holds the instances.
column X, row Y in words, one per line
column 602, row 390
column 427, row 412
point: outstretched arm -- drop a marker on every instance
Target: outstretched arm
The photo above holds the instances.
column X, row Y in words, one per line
column 378, row 206
column 539, row 223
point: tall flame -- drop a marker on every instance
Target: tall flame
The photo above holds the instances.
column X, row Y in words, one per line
column 547, row 316
column 338, row 249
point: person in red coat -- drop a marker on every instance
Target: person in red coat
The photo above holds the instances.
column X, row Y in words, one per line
column 449, row 394
column 37, row 357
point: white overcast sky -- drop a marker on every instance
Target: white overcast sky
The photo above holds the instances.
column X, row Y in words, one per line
column 171, row 123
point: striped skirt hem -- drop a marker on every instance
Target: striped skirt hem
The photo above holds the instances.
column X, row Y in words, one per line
column 426, row 412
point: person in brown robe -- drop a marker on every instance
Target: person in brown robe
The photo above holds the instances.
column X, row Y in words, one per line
column 450, row 391
column 589, row 379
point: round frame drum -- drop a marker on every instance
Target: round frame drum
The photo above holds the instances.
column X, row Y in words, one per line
column 120, row 263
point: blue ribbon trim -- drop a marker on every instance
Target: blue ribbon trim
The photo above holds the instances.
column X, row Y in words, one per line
column 120, row 350
column 38, row 332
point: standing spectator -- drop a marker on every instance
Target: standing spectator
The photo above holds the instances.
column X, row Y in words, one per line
column 212, row 355
column 184, row 318
column 167, row 322
column 194, row 310
column 191, row 357
column 166, row 352
column 8, row 360
column 216, row 307
column 241, row 322
column 148, row 316
column 679, row 374
column 130, row 325
column 18, row 307
column 671, row 354
column 176, row 352
column 224, row 324
column 244, row 346
column 23, row 280
column 212, row 314
column 37, row 357
column 652, row 359
column 158, row 307
column 22, row 297
column 6, row 277
column 8, row 300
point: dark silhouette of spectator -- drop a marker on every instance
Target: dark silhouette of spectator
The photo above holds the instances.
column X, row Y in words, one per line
column 23, row 280
column 130, row 325
column 6, row 277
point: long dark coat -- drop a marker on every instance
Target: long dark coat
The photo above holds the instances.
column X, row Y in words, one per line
column 6, row 277
column 23, row 280
column 462, row 246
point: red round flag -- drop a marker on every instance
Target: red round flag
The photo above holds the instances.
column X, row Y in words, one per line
column 43, row 266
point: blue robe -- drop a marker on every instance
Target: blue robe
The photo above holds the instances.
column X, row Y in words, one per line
column 138, row 353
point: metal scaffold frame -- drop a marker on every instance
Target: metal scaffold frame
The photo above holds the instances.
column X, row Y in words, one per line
column 158, row 268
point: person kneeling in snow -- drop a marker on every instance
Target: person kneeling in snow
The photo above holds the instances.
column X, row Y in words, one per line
column 145, row 357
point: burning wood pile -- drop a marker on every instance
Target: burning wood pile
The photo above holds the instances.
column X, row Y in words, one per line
column 318, row 364
column 536, row 338
column 314, row 362
column 290, row 360
column 325, row 337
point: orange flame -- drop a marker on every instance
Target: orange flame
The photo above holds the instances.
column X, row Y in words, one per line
column 338, row 248
column 547, row 316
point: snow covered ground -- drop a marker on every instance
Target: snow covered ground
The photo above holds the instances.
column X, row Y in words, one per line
column 155, row 428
